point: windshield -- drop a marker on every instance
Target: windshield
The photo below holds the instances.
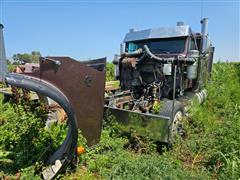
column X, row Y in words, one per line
column 159, row 46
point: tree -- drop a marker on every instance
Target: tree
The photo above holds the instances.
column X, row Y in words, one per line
column 26, row 58
column 110, row 72
column 35, row 56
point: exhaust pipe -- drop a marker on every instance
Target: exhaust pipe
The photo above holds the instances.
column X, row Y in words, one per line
column 204, row 32
column 3, row 61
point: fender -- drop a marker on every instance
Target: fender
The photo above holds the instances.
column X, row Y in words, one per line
column 78, row 87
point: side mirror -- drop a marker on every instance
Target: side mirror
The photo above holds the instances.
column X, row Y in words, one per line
column 116, row 59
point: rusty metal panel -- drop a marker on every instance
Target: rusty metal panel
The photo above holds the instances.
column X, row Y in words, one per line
column 83, row 83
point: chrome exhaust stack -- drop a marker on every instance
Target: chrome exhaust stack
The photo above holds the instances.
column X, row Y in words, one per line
column 204, row 31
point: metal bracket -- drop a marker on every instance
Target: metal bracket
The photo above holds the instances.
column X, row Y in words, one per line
column 56, row 62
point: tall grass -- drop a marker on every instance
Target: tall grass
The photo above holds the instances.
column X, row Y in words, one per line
column 213, row 141
column 210, row 149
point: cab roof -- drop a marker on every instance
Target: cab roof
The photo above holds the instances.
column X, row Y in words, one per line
column 163, row 32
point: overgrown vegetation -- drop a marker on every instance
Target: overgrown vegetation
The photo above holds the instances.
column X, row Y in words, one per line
column 24, row 140
column 110, row 72
column 210, row 149
column 213, row 135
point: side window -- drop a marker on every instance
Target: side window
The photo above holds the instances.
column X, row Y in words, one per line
column 132, row 47
column 192, row 45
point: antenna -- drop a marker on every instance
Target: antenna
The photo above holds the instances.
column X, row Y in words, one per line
column 1, row 11
column 201, row 9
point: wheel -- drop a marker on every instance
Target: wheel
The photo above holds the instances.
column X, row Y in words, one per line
column 175, row 126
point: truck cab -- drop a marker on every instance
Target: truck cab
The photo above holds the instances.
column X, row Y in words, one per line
column 160, row 71
column 148, row 57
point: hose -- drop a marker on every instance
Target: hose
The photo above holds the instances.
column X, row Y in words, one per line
column 152, row 56
column 136, row 53
column 67, row 151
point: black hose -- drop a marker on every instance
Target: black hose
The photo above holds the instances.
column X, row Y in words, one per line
column 67, row 151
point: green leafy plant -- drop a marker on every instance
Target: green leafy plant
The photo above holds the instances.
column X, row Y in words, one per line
column 24, row 140
column 110, row 71
column 210, row 149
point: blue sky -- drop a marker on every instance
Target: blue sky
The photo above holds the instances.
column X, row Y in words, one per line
column 92, row 29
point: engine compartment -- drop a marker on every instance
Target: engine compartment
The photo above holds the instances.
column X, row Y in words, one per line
column 148, row 78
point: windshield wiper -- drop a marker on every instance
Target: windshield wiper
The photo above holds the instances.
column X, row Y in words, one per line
column 164, row 51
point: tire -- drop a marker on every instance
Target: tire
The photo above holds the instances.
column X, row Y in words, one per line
column 175, row 126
